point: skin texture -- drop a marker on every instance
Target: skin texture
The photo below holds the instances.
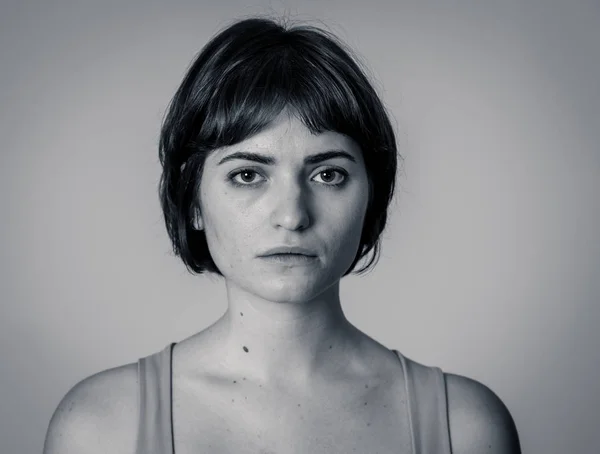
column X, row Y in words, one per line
column 284, row 203
column 283, row 363
column 291, row 312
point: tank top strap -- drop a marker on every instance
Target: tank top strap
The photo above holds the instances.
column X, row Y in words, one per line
column 155, row 429
column 427, row 407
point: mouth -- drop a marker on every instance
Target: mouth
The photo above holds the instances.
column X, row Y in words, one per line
column 290, row 258
column 288, row 250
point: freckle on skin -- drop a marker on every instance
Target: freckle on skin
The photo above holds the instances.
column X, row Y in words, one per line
column 246, row 350
column 366, row 386
column 368, row 424
column 365, row 403
column 235, row 381
column 242, row 314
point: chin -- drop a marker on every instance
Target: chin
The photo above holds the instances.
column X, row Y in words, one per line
column 280, row 291
column 294, row 285
column 287, row 289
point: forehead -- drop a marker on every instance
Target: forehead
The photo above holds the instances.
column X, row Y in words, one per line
column 286, row 137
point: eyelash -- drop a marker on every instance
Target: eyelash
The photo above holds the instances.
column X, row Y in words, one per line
column 231, row 177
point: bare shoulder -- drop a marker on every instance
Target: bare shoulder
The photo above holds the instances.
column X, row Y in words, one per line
column 479, row 420
column 97, row 415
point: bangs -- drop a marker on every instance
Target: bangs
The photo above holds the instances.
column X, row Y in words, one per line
column 241, row 81
column 310, row 81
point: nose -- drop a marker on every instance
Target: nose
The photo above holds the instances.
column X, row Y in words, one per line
column 290, row 208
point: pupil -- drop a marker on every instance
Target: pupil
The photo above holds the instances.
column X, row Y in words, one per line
column 247, row 175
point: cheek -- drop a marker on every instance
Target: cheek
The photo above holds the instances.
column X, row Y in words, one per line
column 358, row 209
column 216, row 227
column 349, row 223
column 217, row 215
column 228, row 231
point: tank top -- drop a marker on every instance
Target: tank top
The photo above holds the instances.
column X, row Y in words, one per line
column 425, row 388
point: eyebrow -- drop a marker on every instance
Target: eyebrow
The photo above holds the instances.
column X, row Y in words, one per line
column 270, row 160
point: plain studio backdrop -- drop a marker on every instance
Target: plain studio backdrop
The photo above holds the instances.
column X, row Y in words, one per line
column 491, row 259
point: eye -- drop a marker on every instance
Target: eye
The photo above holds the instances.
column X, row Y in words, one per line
column 332, row 177
column 244, row 177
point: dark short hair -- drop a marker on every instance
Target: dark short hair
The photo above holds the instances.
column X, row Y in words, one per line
column 239, row 83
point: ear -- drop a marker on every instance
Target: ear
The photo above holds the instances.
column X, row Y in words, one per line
column 197, row 221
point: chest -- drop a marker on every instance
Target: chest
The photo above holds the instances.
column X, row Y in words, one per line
column 246, row 419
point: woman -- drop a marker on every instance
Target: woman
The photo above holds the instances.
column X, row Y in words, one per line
column 279, row 164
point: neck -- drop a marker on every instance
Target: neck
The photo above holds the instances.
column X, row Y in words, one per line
column 268, row 340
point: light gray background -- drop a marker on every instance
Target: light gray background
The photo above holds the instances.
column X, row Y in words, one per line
column 490, row 264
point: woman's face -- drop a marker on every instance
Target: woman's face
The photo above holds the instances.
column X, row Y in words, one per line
column 284, row 187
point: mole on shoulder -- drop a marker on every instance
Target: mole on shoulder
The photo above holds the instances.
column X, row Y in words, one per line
column 245, row 349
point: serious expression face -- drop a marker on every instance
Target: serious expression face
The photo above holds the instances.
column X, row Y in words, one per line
column 284, row 187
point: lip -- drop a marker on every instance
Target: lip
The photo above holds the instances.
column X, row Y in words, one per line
column 290, row 260
column 287, row 250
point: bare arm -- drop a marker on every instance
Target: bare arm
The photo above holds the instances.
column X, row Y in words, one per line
column 98, row 415
column 479, row 420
